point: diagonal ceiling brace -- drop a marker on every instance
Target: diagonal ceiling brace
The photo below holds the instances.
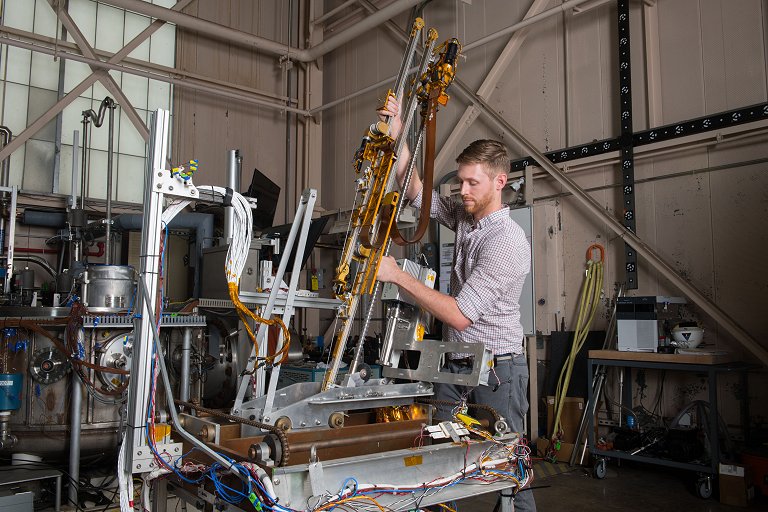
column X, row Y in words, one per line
column 642, row 249
column 106, row 79
column 487, row 87
column 79, row 89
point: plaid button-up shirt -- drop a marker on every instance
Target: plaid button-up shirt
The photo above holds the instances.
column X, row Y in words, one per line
column 491, row 259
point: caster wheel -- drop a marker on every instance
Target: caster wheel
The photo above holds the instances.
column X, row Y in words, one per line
column 704, row 488
column 600, row 469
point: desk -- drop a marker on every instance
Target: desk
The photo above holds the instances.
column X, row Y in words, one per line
column 10, row 475
column 711, row 365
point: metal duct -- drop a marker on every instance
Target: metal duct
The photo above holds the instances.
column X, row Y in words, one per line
column 202, row 223
column 44, row 218
column 38, row 260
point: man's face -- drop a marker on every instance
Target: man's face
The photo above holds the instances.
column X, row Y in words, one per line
column 478, row 189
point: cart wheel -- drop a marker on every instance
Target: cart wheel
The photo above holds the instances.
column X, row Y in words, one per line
column 600, row 469
column 704, row 487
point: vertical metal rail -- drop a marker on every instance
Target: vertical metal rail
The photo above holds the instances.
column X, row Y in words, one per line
column 138, row 392
column 370, row 257
column 74, row 439
column 234, row 166
column 301, row 223
column 626, row 142
column 186, row 349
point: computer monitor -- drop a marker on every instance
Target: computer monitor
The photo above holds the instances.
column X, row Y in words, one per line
column 316, row 227
column 266, row 192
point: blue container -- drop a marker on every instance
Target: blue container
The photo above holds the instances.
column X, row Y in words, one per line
column 10, row 391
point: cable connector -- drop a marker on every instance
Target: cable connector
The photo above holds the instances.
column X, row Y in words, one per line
column 228, row 197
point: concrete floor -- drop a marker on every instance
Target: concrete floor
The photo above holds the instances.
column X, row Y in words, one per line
column 629, row 488
column 640, row 488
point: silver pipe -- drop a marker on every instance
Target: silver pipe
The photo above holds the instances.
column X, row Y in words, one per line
column 110, row 157
column 36, row 259
column 526, row 22
column 332, row 12
column 5, row 137
column 260, row 43
column 193, row 440
column 74, row 439
column 5, row 178
column 223, row 91
column 234, row 167
column 186, row 349
column 517, row 26
column 84, row 163
column 75, row 170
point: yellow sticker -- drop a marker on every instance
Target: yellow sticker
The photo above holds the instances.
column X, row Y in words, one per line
column 413, row 460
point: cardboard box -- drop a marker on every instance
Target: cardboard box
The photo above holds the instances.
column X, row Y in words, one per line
column 562, row 455
column 570, row 417
column 736, row 486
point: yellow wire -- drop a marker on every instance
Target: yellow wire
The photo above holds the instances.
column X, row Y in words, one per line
column 244, row 313
column 350, row 499
column 446, row 507
column 590, row 292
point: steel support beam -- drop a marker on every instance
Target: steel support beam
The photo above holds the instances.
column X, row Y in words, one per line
column 129, row 65
column 108, row 81
column 240, row 95
column 487, row 87
column 79, row 89
column 627, row 168
column 259, row 43
column 598, row 212
column 517, row 26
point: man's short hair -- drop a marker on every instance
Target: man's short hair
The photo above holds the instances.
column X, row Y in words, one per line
column 492, row 153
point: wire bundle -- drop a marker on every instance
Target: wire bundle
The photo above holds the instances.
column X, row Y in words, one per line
column 236, row 258
column 503, row 460
column 590, row 298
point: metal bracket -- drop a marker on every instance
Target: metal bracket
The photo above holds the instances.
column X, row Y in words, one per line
column 144, row 458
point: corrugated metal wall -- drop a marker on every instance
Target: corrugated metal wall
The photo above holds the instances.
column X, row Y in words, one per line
column 205, row 126
column 700, row 207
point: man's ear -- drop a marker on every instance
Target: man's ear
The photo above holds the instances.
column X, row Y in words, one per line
column 501, row 180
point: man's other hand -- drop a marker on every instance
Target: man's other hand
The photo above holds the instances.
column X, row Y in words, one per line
column 388, row 270
column 391, row 108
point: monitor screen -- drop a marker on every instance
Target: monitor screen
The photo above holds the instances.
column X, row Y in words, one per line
column 316, row 228
column 266, row 193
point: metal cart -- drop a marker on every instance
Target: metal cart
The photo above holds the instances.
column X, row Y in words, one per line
column 710, row 365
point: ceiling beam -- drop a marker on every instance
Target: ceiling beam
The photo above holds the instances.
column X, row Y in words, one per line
column 599, row 213
column 223, row 32
column 79, row 89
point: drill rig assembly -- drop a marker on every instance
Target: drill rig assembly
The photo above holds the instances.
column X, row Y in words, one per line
column 319, row 445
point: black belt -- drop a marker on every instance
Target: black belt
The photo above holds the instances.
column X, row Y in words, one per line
column 470, row 361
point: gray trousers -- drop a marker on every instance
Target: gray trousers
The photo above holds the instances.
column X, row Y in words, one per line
column 507, row 392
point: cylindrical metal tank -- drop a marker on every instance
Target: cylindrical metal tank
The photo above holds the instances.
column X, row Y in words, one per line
column 109, row 286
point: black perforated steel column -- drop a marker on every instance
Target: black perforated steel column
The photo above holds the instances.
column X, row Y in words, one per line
column 625, row 140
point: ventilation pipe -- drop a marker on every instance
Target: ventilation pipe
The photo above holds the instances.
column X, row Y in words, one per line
column 98, row 119
column 201, row 223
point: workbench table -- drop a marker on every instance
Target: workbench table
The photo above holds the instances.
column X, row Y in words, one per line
column 712, row 365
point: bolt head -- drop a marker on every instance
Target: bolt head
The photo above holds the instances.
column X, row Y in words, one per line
column 159, row 185
column 276, row 481
column 170, row 188
column 160, row 175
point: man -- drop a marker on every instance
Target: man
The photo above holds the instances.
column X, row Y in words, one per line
column 491, row 259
